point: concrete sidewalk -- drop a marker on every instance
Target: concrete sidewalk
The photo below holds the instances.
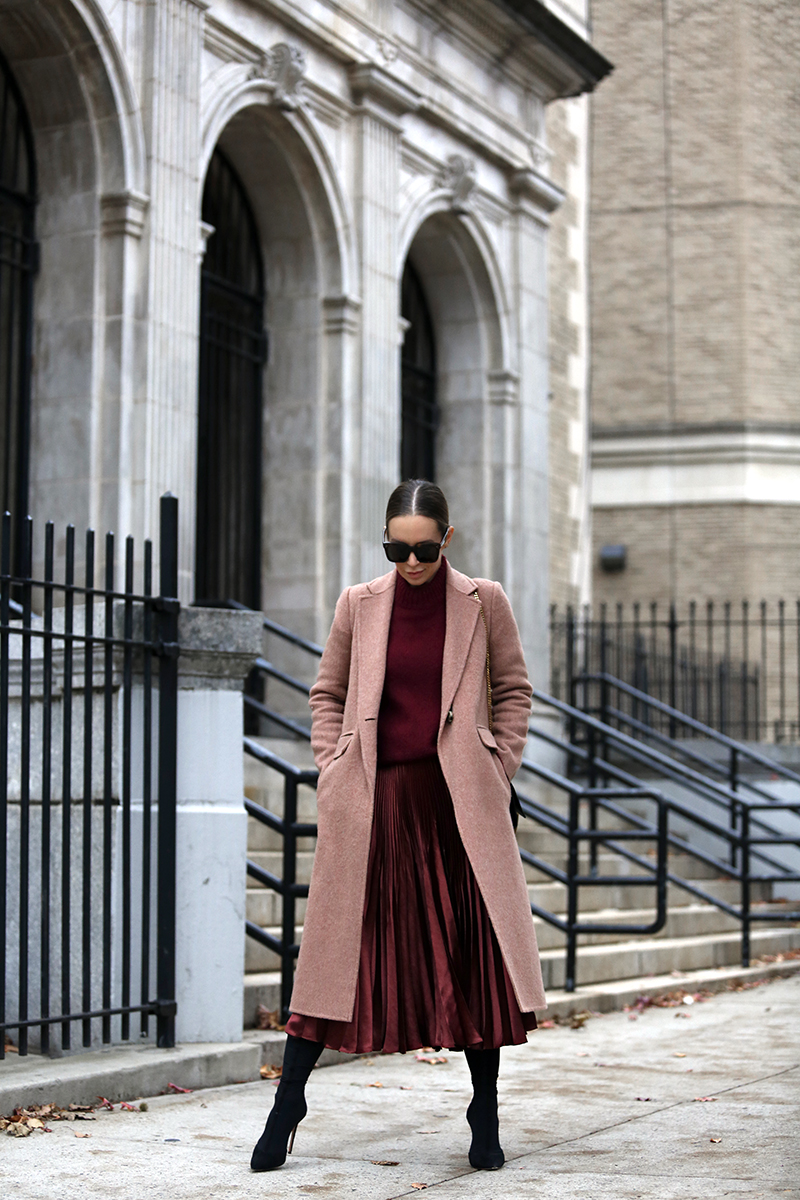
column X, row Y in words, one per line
column 686, row 1103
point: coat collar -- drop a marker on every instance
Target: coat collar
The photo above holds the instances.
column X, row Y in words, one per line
column 375, row 616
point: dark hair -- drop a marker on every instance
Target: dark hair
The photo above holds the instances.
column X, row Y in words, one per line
column 419, row 498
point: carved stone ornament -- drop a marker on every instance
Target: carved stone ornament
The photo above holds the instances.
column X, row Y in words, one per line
column 458, row 177
column 387, row 48
column 284, row 66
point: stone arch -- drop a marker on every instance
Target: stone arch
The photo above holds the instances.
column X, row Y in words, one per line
column 474, row 382
column 89, row 147
column 307, row 251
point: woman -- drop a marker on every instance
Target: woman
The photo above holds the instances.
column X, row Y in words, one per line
column 418, row 930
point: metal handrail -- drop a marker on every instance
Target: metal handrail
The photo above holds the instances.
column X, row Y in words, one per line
column 705, row 731
column 740, row 840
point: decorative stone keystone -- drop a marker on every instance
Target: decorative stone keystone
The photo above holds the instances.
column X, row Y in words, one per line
column 283, row 65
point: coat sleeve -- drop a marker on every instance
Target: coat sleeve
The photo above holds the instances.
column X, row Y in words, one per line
column 328, row 694
column 511, row 689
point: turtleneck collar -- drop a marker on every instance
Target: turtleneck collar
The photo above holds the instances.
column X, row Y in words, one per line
column 425, row 595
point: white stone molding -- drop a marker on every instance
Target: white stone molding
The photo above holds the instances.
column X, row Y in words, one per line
column 458, row 178
column 503, row 387
column 342, row 314
column 374, row 88
column 403, row 326
column 529, row 185
column 284, row 66
column 696, row 467
column 206, row 231
column 124, row 213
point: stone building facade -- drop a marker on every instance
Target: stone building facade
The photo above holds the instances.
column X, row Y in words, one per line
column 695, row 300
column 228, row 195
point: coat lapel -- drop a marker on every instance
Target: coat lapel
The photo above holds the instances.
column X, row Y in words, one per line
column 375, row 616
column 463, row 611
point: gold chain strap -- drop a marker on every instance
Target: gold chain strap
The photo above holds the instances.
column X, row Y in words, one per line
column 488, row 664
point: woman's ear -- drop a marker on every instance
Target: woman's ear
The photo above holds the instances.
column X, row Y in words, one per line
column 448, row 537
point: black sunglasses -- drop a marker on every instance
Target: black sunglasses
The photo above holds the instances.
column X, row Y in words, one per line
column 425, row 552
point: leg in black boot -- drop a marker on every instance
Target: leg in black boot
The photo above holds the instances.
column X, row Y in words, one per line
column 485, row 1153
column 289, row 1108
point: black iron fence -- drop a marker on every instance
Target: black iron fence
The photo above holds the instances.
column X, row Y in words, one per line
column 88, row 735
column 734, row 668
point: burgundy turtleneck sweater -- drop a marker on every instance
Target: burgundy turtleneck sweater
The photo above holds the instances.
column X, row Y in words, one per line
column 408, row 723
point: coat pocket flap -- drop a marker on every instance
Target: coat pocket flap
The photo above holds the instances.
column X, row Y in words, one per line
column 487, row 737
column 342, row 744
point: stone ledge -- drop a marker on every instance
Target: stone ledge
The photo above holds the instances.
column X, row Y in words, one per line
column 124, row 1073
column 613, row 996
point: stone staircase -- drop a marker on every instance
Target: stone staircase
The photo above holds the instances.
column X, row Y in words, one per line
column 698, row 942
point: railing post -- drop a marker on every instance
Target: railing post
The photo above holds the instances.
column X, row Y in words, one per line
column 572, row 891
column 733, row 784
column 168, row 607
column 745, row 878
column 571, row 682
column 673, row 668
column 289, row 899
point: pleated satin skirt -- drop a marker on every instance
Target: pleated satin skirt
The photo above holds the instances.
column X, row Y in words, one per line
column 431, row 972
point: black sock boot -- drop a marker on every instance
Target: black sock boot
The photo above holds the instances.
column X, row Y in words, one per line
column 289, row 1107
column 485, row 1153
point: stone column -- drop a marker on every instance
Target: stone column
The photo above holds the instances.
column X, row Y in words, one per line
column 217, row 650
column 381, row 101
column 165, row 454
column 536, row 197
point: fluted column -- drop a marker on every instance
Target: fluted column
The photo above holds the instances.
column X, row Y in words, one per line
column 535, row 198
column 166, row 454
column 381, row 101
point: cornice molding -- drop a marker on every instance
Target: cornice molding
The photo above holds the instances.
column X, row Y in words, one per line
column 369, row 81
column 124, row 212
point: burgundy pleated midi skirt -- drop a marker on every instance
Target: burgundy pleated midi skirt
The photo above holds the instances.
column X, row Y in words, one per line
column 431, row 972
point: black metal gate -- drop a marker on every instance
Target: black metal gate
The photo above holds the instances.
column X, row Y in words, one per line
column 88, row 738
column 420, row 413
column 18, row 261
column 232, row 356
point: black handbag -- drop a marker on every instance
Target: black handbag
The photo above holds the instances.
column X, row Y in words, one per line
column 514, row 806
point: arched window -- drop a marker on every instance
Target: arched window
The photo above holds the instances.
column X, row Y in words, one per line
column 232, row 356
column 420, row 414
column 18, row 252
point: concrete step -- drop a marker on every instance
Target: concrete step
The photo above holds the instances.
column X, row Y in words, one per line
column 610, row 996
column 660, row 956
column 264, row 907
column 684, row 922
column 691, row 920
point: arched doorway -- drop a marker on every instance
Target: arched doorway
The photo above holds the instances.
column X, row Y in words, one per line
column 17, row 267
column 420, row 412
column 232, row 357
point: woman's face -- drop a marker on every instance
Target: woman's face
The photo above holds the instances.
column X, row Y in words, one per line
column 412, row 530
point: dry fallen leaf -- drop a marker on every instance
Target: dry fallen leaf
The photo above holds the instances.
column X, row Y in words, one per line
column 374, row 1085
column 384, row 1162
column 267, row 1019
column 128, row 1107
column 679, row 1054
column 431, row 1058
column 105, row 1103
column 705, row 1099
column 646, row 1099
column 419, row 1186
column 270, row 1071
column 173, row 1087
column 83, row 1135
column 545, row 1024
column 715, row 1139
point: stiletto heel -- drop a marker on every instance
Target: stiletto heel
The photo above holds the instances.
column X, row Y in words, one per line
column 289, row 1107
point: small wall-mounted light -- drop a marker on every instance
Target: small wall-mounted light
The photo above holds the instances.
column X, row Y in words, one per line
column 613, row 558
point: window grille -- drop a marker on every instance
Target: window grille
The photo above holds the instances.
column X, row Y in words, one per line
column 232, row 357
column 420, row 413
column 18, row 261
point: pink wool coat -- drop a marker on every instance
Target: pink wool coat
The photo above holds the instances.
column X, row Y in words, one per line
column 476, row 763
